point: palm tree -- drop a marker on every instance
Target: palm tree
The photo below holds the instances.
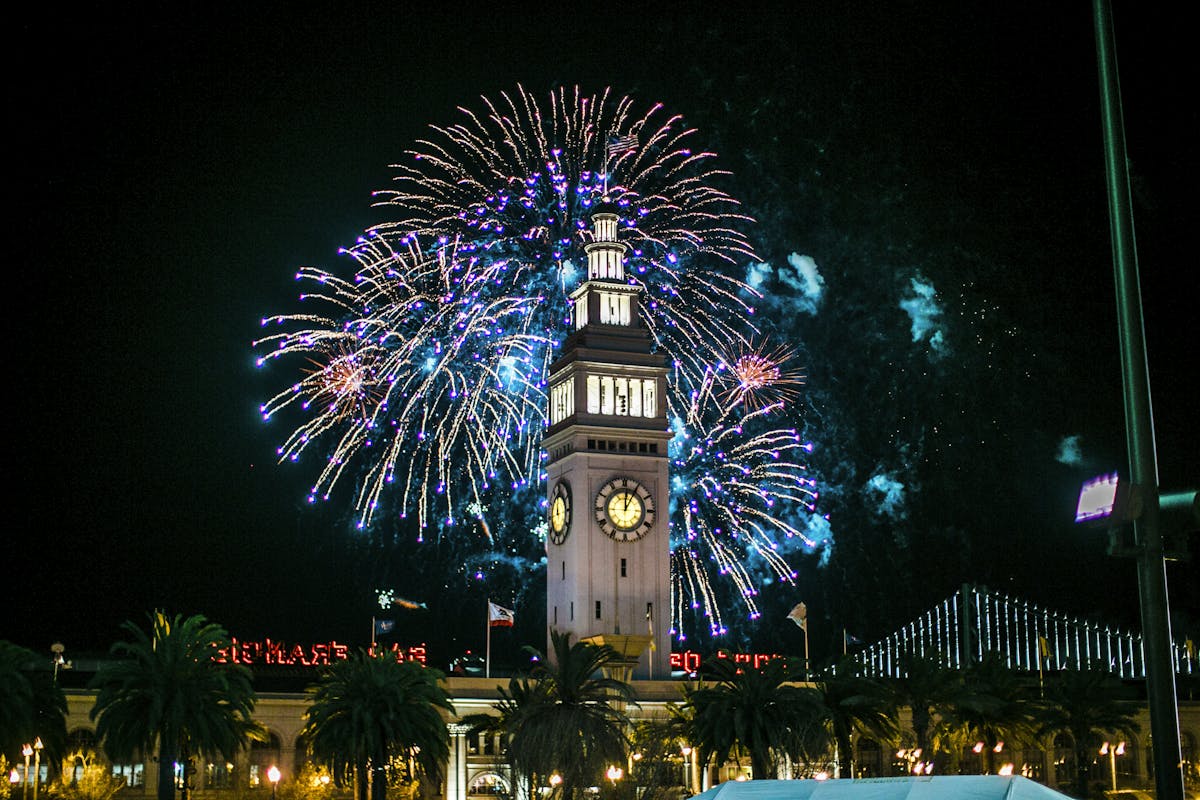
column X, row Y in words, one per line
column 169, row 689
column 569, row 719
column 661, row 763
column 31, row 704
column 927, row 687
column 1086, row 704
column 371, row 710
column 851, row 703
column 992, row 707
column 757, row 711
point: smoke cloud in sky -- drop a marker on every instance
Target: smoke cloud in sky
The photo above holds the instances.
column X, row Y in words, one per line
column 888, row 495
column 801, row 277
column 1070, row 451
column 925, row 313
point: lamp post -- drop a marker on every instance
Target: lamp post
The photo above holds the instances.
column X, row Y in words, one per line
column 272, row 776
column 686, row 752
column 37, row 764
column 27, row 751
column 615, row 774
column 1112, row 751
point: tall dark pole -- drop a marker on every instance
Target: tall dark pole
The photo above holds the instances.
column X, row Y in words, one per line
column 1139, row 426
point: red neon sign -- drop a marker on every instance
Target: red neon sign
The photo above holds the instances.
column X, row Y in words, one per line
column 318, row 654
column 689, row 660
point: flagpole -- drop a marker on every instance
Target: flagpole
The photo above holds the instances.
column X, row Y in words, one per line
column 372, row 634
column 805, row 626
column 487, row 622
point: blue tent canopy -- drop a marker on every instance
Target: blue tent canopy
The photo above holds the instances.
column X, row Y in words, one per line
column 933, row 787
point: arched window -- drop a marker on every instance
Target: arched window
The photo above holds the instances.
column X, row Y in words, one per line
column 489, row 784
column 81, row 752
column 870, row 759
column 263, row 756
column 1064, row 760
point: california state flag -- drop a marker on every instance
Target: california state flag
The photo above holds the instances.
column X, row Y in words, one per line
column 499, row 617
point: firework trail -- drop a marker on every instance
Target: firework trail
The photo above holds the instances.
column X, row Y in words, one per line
column 423, row 370
column 736, row 481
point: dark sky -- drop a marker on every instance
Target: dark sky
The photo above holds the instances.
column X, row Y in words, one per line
column 175, row 166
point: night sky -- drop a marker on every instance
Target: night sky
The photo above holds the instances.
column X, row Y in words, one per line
column 939, row 163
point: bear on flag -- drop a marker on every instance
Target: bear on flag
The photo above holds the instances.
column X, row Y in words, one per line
column 499, row 617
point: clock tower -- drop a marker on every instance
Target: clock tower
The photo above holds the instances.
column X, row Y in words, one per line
column 608, row 570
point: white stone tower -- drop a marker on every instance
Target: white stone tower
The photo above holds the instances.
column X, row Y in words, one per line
column 608, row 574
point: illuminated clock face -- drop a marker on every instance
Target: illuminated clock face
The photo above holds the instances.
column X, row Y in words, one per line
column 624, row 509
column 560, row 513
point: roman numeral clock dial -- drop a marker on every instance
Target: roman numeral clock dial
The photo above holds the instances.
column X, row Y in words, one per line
column 560, row 513
column 624, row 510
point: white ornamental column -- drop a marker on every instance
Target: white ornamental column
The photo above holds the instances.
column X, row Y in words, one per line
column 456, row 770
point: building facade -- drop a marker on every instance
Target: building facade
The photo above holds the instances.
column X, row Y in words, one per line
column 477, row 768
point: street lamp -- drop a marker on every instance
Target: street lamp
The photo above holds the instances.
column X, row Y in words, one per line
column 27, row 751
column 1112, row 751
column 37, row 764
column 615, row 774
column 272, row 776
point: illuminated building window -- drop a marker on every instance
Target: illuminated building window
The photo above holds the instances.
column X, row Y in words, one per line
column 132, row 774
column 621, row 397
column 606, row 264
column 491, row 785
column 581, row 315
column 562, row 401
column 614, row 308
column 218, row 776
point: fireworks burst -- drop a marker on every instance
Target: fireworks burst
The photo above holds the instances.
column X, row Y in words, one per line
column 455, row 307
column 425, row 386
column 736, row 482
column 761, row 376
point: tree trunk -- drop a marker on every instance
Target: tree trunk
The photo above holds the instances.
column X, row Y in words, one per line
column 845, row 755
column 379, row 780
column 920, row 723
column 167, row 754
column 1083, row 769
column 360, row 770
column 760, row 765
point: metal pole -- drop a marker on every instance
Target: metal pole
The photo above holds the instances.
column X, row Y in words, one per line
column 1139, row 424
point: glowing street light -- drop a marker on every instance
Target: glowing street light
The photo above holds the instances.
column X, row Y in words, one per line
column 615, row 774
column 1112, row 751
column 27, row 751
column 273, row 776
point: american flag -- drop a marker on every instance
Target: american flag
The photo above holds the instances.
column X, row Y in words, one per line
column 619, row 145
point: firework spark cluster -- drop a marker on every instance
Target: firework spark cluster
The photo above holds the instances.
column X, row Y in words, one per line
column 423, row 366
column 738, row 490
